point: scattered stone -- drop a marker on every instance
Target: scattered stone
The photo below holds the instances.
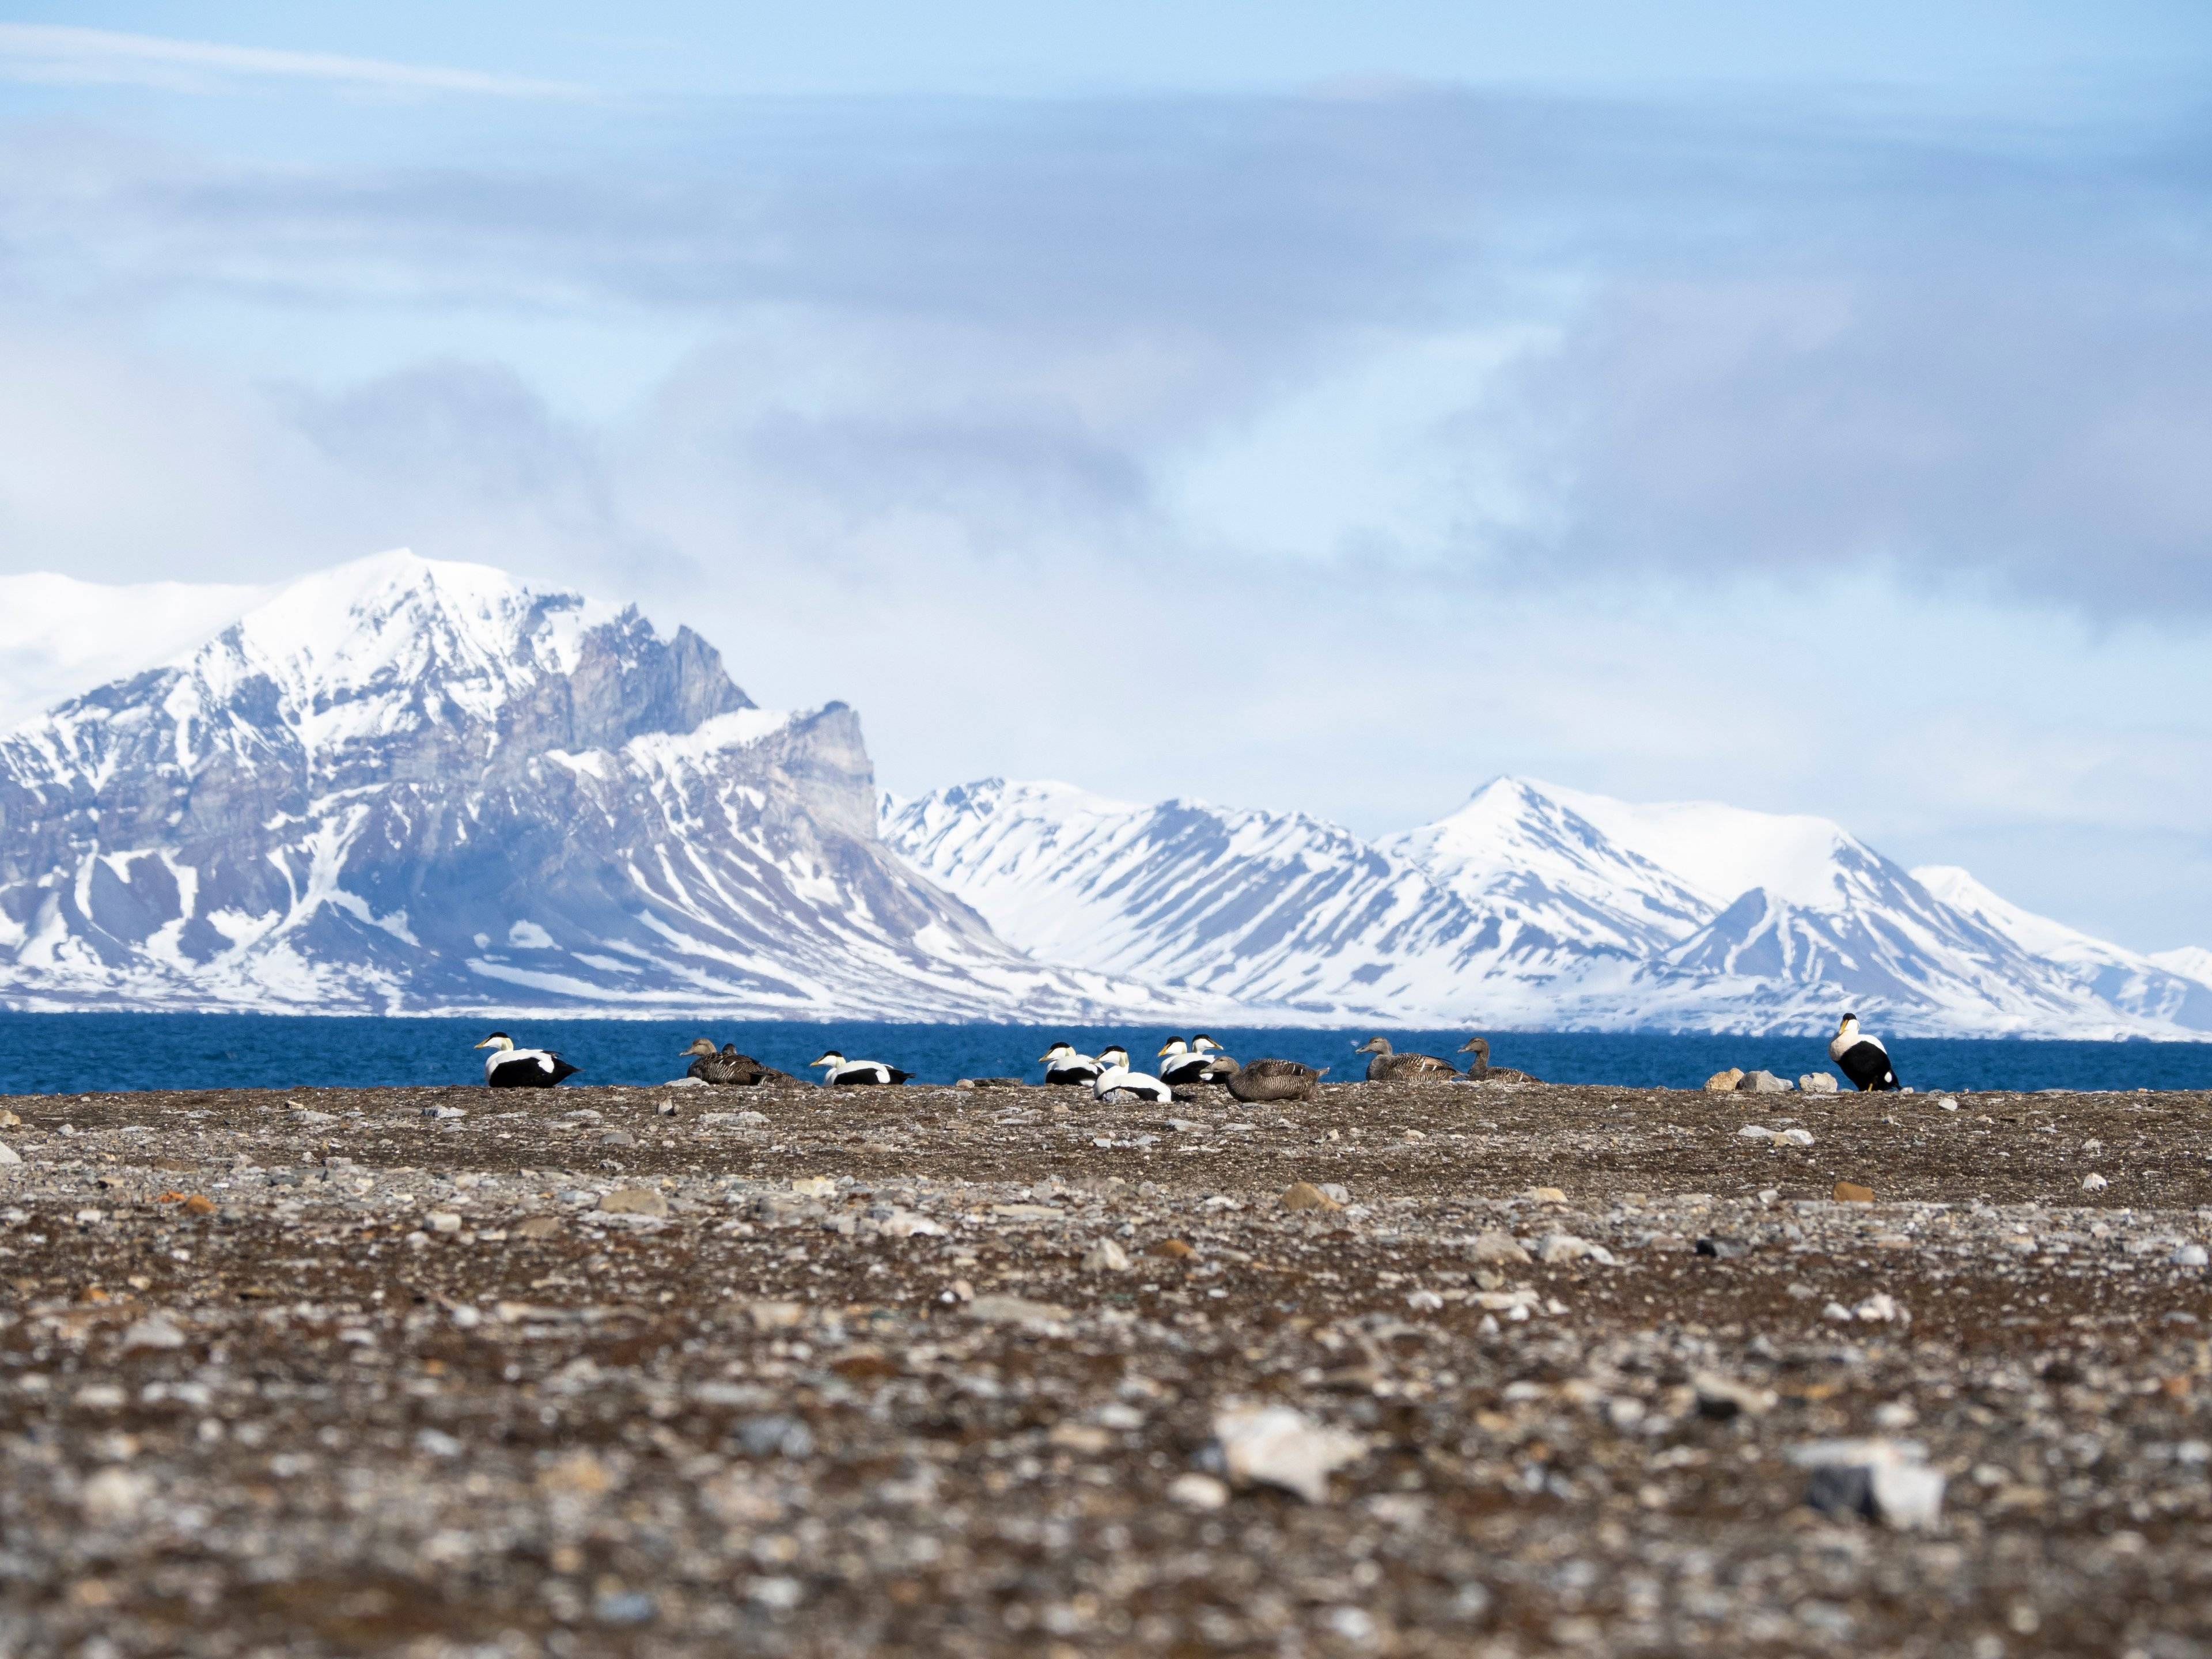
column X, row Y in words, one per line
column 1722, row 1083
column 2189, row 1256
column 537, row 1226
column 1305, row 1195
column 1495, row 1246
column 442, row 1221
column 911, row 1223
column 1425, row 1300
column 1817, row 1083
column 8, row 1154
column 114, row 1495
column 155, row 1331
column 635, row 1201
column 1278, row 1446
column 814, row 1187
column 1850, row 1192
column 1017, row 1310
column 1886, row 1481
column 1194, row 1490
column 1761, row 1083
column 1946, row 1103
column 1106, row 1257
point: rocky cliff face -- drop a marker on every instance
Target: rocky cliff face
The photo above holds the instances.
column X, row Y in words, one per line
column 409, row 785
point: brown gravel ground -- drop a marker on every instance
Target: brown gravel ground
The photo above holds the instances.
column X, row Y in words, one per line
column 319, row 1374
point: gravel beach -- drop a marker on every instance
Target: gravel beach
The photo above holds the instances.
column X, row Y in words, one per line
column 1411, row 1370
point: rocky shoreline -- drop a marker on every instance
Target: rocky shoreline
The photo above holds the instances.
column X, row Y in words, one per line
column 1412, row 1369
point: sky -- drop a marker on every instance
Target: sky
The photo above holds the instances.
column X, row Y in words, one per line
column 1298, row 406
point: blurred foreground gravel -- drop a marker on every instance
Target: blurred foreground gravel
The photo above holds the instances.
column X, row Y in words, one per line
column 1006, row 1369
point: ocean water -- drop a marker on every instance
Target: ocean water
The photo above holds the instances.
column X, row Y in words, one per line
column 81, row 1053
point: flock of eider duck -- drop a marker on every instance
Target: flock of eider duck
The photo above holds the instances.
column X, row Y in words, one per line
column 1109, row 1076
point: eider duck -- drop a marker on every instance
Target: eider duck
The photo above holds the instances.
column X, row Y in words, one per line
column 1860, row 1057
column 726, row 1065
column 1198, row 1061
column 510, row 1067
column 1065, row 1068
column 1480, row 1070
column 1118, row 1078
column 1388, row 1067
column 1273, row 1079
column 845, row 1073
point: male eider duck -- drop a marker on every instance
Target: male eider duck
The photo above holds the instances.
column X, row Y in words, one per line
column 1118, row 1078
column 845, row 1073
column 1388, row 1067
column 725, row 1065
column 1860, row 1057
column 1198, row 1061
column 1065, row 1068
column 1480, row 1070
column 1273, row 1079
column 510, row 1067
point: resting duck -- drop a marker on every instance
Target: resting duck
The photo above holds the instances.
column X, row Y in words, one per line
column 1480, row 1070
column 510, row 1067
column 1064, row 1068
column 1199, row 1061
column 1273, row 1079
column 1388, row 1067
column 843, row 1073
column 727, row 1066
column 1118, row 1078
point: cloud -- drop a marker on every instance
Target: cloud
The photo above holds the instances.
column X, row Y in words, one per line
column 83, row 57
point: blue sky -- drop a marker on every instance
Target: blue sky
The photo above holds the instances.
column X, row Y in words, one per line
column 1318, row 406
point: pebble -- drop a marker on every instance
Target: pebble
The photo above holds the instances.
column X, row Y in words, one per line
column 155, row 1331
column 1756, row 1131
column 1817, row 1083
column 1796, row 1136
column 1106, row 1257
column 537, row 1226
column 1495, row 1246
column 442, row 1221
column 814, row 1187
column 635, row 1201
column 8, row 1154
column 911, row 1223
column 1762, row 1082
column 1194, row 1490
column 618, row 1138
column 1280, row 1446
column 2189, row 1256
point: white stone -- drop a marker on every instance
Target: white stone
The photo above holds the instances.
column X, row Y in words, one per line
column 442, row 1221
column 1197, row 1491
column 1423, row 1301
column 1278, row 1446
column 2093, row 1182
column 1817, row 1083
column 8, row 1154
column 1762, row 1082
column 155, row 1331
column 115, row 1494
column 1106, row 1257
column 2189, row 1255
column 1796, row 1136
column 1946, row 1103
column 911, row 1223
column 1756, row 1131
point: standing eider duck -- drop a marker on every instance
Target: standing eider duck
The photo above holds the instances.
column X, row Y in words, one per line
column 1274, row 1079
column 843, row 1073
column 1118, row 1078
column 1388, row 1067
column 1861, row 1058
column 510, row 1067
column 724, row 1065
column 1480, row 1070
column 1198, row 1061
column 1064, row 1068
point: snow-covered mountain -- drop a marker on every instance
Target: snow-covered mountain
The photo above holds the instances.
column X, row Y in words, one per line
column 408, row 785
column 1531, row 905
column 2158, row 987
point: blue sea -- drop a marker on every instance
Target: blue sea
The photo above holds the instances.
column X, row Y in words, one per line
column 82, row 1053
